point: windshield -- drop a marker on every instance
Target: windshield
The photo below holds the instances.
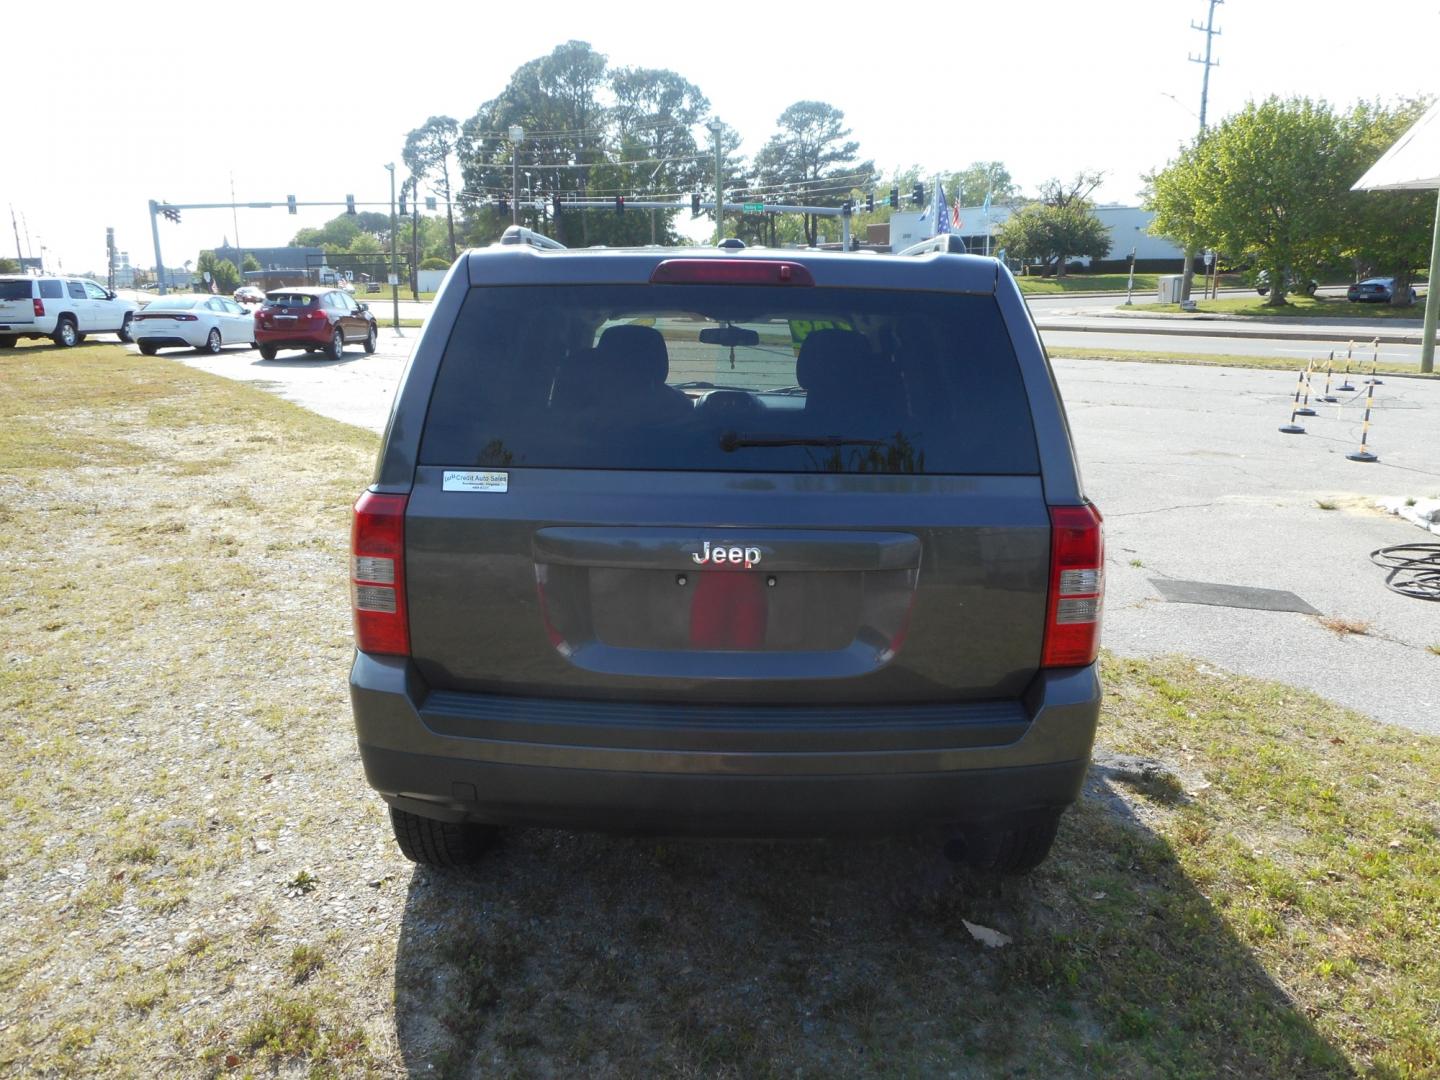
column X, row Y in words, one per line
column 730, row 379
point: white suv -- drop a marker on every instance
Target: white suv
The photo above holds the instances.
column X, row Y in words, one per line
column 62, row 309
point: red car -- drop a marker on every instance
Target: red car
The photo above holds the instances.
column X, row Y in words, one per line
column 322, row 320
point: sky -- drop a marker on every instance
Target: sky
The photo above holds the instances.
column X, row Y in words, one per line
column 178, row 101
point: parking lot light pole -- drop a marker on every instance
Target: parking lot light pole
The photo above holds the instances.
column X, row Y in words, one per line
column 517, row 136
column 394, row 266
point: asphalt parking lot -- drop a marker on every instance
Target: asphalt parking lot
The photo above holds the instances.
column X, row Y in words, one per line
column 1196, row 485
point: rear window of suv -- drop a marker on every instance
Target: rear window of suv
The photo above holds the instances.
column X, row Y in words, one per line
column 14, row 290
column 290, row 300
column 730, row 378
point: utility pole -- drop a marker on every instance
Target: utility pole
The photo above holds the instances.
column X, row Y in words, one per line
column 1210, row 35
column 235, row 220
column 155, row 235
column 394, row 266
column 715, row 128
column 19, row 255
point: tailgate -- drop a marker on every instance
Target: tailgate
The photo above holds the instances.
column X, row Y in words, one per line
column 580, row 584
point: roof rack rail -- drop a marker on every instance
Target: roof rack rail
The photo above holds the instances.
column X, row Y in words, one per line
column 518, row 234
column 946, row 242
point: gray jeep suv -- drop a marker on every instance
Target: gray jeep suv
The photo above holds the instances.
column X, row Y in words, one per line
column 745, row 543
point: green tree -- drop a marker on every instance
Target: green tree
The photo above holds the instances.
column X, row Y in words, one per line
column 555, row 98
column 427, row 153
column 1060, row 225
column 1385, row 232
column 9, row 266
column 222, row 272
column 250, row 264
column 1054, row 234
column 971, row 184
column 1269, row 184
column 811, row 157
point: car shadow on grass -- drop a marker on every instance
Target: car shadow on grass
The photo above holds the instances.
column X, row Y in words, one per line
column 570, row 954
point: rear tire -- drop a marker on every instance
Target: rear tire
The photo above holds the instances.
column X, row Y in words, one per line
column 440, row 843
column 66, row 336
column 148, row 349
column 336, row 349
column 124, row 332
column 8, row 342
column 212, row 342
column 267, row 352
column 1013, row 846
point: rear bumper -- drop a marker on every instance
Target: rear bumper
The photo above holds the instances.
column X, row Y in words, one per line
column 719, row 771
column 293, row 338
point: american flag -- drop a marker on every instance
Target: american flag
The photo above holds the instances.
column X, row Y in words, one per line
column 955, row 219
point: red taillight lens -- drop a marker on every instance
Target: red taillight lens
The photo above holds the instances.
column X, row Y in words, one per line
column 377, row 575
column 184, row 318
column 39, row 307
column 730, row 272
column 1077, row 587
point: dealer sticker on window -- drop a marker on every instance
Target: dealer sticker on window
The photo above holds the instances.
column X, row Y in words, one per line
column 476, row 481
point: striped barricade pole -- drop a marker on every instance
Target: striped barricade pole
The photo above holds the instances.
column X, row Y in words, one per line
column 1305, row 409
column 1293, row 428
column 1364, row 454
column 1375, row 363
column 1328, row 397
column 1345, row 387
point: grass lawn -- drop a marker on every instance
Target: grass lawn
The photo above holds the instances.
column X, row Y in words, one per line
column 1269, row 363
column 1306, row 307
column 196, row 880
column 1145, row 284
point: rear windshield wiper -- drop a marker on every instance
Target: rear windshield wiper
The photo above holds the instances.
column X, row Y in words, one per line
column 700, row 384
column 731, row 441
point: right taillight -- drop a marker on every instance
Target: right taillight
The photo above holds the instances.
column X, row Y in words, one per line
column 377, row 575
column 1077, row 587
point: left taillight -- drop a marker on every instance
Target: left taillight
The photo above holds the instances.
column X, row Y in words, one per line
column 39, row 308
column 377, row 575
column 1077, row 587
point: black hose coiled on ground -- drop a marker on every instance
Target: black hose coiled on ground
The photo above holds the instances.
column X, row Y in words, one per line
column 1414, row 569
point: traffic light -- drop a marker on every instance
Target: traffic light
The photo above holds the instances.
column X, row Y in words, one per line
column 695, row 204
column 869, row 202
column 503, row 206
column 290, row 201
column 619, row 204
column 171, row 214
column 402, row 204
column 918, row 194
column 555, row 205
column 350, row 204
column 429, row 202
column 894, row 203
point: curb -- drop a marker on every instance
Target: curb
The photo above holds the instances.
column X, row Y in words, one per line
column 1309, row 332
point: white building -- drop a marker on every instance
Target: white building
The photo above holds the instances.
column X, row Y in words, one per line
column 1128, row 225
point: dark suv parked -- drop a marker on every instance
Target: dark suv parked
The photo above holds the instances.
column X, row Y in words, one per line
column 747, row 543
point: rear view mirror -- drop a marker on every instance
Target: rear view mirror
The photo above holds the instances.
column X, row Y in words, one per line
column 733, row 337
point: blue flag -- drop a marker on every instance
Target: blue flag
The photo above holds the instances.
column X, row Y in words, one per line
column 939, row 209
